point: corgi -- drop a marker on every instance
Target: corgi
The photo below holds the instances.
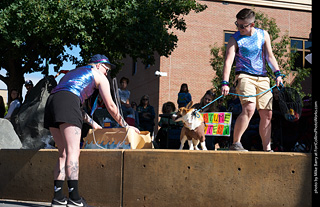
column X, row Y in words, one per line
column 193, row 127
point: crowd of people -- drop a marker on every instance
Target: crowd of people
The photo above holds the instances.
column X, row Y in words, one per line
column 143, row 117
column 286, row 136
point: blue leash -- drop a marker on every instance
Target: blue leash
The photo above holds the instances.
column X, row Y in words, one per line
column 95, row 105
column 236, row 95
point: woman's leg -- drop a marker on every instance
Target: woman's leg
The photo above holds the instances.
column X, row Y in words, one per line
column 59, row 170
column 72, row 135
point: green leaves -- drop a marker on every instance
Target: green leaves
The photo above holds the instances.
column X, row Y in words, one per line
column 32, row 31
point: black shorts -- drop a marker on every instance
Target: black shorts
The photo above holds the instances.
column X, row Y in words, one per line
column 63, row 107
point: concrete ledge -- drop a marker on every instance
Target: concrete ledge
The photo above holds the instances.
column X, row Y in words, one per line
column 165, row 177
column 214, row 178
column 28, row 175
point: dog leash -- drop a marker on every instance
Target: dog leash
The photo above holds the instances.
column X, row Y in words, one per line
column 246, row 96
column 95, row 106
column 196, row 111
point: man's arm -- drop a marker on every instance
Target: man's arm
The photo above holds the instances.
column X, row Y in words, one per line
column 272, row 62
column 230, row 54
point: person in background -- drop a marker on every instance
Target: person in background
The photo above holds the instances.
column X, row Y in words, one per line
column 184, row 97
column 29, row 85
column 146, row 115
column 220, row 105
column 208, row 97
column 14, row 104
column 134, row 106
column 2, row 107
column 166, row 123
column 168, row 108
column 234, row 104
column 124, row 94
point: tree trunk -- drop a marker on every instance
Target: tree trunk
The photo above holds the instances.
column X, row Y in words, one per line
column 15, row 79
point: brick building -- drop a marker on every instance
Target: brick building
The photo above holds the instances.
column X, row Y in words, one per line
column 190, row 61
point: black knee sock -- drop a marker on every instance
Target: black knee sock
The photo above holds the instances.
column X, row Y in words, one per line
column 73, row 190
column 58, row 194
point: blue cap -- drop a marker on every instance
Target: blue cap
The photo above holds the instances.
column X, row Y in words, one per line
column 98, row 58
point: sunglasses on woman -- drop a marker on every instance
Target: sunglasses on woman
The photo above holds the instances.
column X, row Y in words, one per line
column 105, row 67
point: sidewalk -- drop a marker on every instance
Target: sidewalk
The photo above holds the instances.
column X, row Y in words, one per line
column 15, row 203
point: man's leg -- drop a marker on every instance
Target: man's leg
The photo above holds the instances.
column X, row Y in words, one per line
column 242, row 123
column 246, row 85
column 265, row 128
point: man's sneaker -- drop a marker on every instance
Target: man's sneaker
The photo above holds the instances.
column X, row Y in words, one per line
column 78, row 203
column 237, row 147
column 59, row 203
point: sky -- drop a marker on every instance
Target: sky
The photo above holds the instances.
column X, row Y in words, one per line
column 35, row 77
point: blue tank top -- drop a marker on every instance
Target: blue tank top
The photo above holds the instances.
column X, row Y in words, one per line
column 250, row 56
column 79, row 81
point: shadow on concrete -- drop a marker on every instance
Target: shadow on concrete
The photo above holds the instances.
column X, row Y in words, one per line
column 24, row 203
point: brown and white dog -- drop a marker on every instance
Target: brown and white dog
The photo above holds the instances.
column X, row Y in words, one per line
column 193, row 127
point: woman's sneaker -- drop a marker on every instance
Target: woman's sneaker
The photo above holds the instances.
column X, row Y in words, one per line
column 237, row 147
column 81, row 202
column 59, row 203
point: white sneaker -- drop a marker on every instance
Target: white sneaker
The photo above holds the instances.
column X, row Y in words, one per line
column 59, row 203
column 78, row 203
column 237, row 147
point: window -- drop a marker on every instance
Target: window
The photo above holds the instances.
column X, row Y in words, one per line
column 227, row 35
column 303, row 48
column 148, row 65
column 134, row 67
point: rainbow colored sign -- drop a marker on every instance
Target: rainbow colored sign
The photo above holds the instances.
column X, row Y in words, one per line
column 217, row 123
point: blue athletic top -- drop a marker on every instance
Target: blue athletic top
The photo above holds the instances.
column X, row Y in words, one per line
column 184, row 99
column 250, row 56
column 79, row 81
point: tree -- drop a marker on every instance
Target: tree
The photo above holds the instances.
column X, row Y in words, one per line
column 280, row 48
column 35, row 32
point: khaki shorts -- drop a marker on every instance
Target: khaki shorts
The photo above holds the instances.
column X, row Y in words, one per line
column 252, row 85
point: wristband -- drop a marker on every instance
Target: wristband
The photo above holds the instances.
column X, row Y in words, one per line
column 277, row 73
column 224, row 83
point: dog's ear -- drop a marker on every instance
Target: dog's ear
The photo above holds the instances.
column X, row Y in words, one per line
column 189, row 105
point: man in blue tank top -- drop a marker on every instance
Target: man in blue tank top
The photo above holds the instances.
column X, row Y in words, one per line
column 250, row 47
